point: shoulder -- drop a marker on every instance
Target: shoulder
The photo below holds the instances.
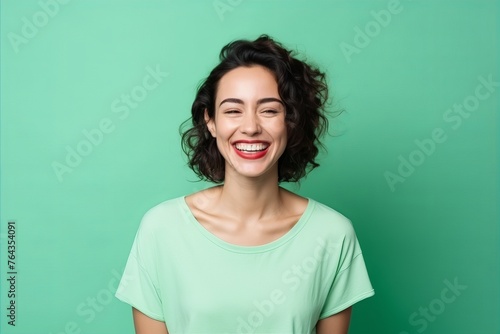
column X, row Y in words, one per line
column 159, row 215
column 331, row 220
column 329, row 213
column 336, row 229
column 163, row 208
column 203, row 200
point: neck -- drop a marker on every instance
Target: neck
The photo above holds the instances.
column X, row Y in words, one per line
column 251, row 199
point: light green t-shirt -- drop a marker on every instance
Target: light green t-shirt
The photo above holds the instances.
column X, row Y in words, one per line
column 180, row 273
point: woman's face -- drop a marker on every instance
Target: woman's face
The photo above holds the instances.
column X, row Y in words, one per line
column 249, row 123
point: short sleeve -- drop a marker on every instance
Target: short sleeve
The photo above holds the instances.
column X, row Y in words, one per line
column 351, row 282
column 138, row 286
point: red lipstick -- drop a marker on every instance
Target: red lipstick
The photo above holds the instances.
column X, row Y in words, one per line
column 251, row 155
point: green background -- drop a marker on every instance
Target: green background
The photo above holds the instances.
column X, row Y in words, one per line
column 74, row 234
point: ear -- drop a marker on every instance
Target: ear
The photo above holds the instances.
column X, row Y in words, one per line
column 210, row 124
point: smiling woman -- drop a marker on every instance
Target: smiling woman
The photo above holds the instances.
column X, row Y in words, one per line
column 250, row 130
column 248, row 256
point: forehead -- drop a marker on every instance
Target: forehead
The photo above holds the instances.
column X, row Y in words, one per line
column 247, row 82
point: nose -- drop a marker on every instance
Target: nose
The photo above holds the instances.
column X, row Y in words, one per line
column 250, row 124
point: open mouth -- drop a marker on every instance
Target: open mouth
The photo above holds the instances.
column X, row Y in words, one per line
column 251, row 148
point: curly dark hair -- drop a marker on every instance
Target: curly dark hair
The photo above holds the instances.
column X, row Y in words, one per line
column 301, row 86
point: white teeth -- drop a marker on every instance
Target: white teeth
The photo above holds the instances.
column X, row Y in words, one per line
column 251, row 147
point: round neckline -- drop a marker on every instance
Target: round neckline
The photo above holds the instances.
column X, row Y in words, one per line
column 247, row 249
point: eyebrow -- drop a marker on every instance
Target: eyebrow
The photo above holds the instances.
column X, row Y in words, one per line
column 260, row 101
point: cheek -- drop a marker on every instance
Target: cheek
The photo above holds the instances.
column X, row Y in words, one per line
column 280, row 130
column 223, row 146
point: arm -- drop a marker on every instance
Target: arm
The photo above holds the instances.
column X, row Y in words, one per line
column 335, row 324
column 145, row 325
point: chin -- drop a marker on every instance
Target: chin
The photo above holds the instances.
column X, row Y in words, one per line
column 255, row 172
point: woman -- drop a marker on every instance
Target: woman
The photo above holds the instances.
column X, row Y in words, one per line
column 248, row 256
